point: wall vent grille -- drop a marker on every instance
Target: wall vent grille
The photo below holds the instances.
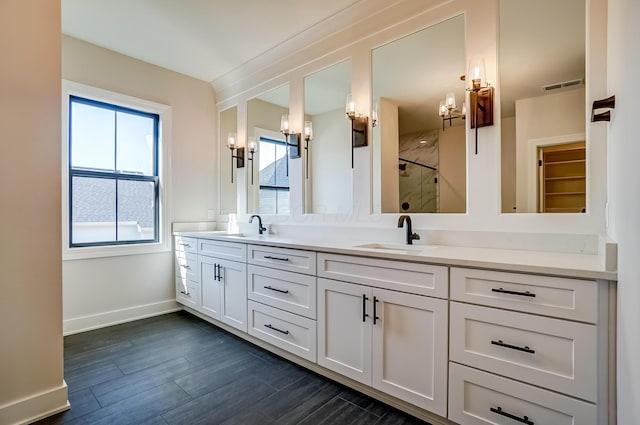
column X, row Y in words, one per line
column 563, row 84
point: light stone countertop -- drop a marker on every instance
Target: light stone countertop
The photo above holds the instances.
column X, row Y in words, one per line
column 586, row 266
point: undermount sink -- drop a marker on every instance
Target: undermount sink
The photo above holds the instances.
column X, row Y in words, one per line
column 225, row 233
column 405, row 249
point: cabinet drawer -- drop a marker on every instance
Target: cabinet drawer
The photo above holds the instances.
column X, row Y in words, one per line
column 288, row 331
column 222, row 249
column 477, row 397
column 186, row 244
column 187, row 292
column 553, row 353
column 422, row 279
column 550, row 296
column 187, row 266
column 293, row 260
column 293, row 292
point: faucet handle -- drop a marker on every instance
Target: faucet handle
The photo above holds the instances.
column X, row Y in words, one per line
column 415, row 236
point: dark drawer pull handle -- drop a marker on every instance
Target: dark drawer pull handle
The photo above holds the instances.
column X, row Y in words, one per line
column 185, row 293
column 513, row 347
column 506, row 291
column 282, row 291
column 269, row 257
column 375, row 313
column 185, row 266
column 499, row 411
column 268, row 325
column 185, row 244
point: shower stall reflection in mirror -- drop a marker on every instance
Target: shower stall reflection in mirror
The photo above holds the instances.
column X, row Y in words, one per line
column 418, row 172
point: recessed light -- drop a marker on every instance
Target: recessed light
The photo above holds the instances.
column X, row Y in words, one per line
column 423, row 142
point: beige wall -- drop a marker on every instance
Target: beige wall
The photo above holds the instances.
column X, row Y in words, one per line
column 31, row 381
column 389, row 147
column 508, row 164
column 108, row 290
column 452, row 170
column 548, row 116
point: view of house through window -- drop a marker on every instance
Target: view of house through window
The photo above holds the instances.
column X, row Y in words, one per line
column 113, row 174
column 274, row 177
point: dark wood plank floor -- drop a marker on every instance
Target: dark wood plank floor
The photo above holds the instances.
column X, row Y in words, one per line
column 178, row 369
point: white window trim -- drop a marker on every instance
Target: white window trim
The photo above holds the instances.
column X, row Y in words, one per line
column 164, row 172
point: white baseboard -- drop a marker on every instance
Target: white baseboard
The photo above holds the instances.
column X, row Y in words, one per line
column 35, row 407
column 109, row 318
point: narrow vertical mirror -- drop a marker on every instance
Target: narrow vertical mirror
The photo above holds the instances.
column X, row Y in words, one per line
column 328, row 171
column 542, row 92
column 419, row 148
column 228, row 174
column 268, row 171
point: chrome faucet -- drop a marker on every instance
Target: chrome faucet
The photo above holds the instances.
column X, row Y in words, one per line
column 410, row 236
column 261, row 228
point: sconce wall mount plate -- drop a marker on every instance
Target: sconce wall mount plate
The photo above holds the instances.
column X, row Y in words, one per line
column 482, row 100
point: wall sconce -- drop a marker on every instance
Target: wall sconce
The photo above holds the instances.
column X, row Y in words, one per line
column 448, row 110
column 292, row 139
column 308, row 136
column 358, row 126
column 480, row 97
column 236, row 152
column 374, row 115
column 253, row 148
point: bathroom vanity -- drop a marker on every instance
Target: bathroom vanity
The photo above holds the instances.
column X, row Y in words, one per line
column 448, row 334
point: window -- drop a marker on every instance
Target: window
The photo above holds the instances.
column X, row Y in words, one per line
column 113, row 174
column 274, row 177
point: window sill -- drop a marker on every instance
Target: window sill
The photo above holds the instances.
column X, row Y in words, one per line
column 82, row 253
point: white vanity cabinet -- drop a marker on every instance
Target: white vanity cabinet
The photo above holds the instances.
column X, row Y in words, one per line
column 223, row 275
column 186, row 271
column 281, row 285
column 530, row 349
column 395, row 342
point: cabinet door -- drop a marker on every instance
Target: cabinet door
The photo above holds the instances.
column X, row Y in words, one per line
column 410, row 348
column 211, row 287
column 344, row 332
column 233, row 278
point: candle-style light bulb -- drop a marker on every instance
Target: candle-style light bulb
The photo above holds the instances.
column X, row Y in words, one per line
column 350, row 107
column 284, row 124
column 451, row 101
column 231, row 141
column 308, row 130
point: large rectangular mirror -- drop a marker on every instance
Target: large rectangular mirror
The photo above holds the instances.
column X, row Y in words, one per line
column 268, row 172
column 419, row 155
column 542, row 101
column 228, row 179
column 328, row 155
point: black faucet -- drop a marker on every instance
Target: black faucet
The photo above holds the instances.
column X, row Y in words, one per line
column 261, row 228
column 410, row 235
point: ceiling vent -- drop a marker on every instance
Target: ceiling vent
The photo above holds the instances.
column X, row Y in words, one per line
column 562, row 85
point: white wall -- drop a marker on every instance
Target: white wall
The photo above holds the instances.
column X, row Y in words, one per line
column 508, row 164
column 107, row 290
column 330, row 163
column 624, row 197
column 31, row 368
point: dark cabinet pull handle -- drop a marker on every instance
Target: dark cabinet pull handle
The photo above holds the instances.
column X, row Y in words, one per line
column 185, row 293
column 185, row 244
column 268, row 325
column 526, row 349
column 364, row 307
column 215, row 272
column 185, row 266
column 499, row 411
column 275, row 258
column 506, row 291
column 282, row 291
column 375, row 314
column 219, row 266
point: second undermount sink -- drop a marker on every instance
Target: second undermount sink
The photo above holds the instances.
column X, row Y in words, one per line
column 397, row 248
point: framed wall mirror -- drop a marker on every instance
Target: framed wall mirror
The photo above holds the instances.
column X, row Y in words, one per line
column 228, row 178
column 419, row 163
column 542, row 102
column 268, row 172
column 328, row 173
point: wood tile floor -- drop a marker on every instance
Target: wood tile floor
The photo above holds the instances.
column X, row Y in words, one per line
column 178, row 369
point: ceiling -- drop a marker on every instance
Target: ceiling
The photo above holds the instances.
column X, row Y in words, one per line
column 204, row 39
column 540, row 42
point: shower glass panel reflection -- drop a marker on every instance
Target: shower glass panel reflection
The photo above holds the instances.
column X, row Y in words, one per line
column 418, row 187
